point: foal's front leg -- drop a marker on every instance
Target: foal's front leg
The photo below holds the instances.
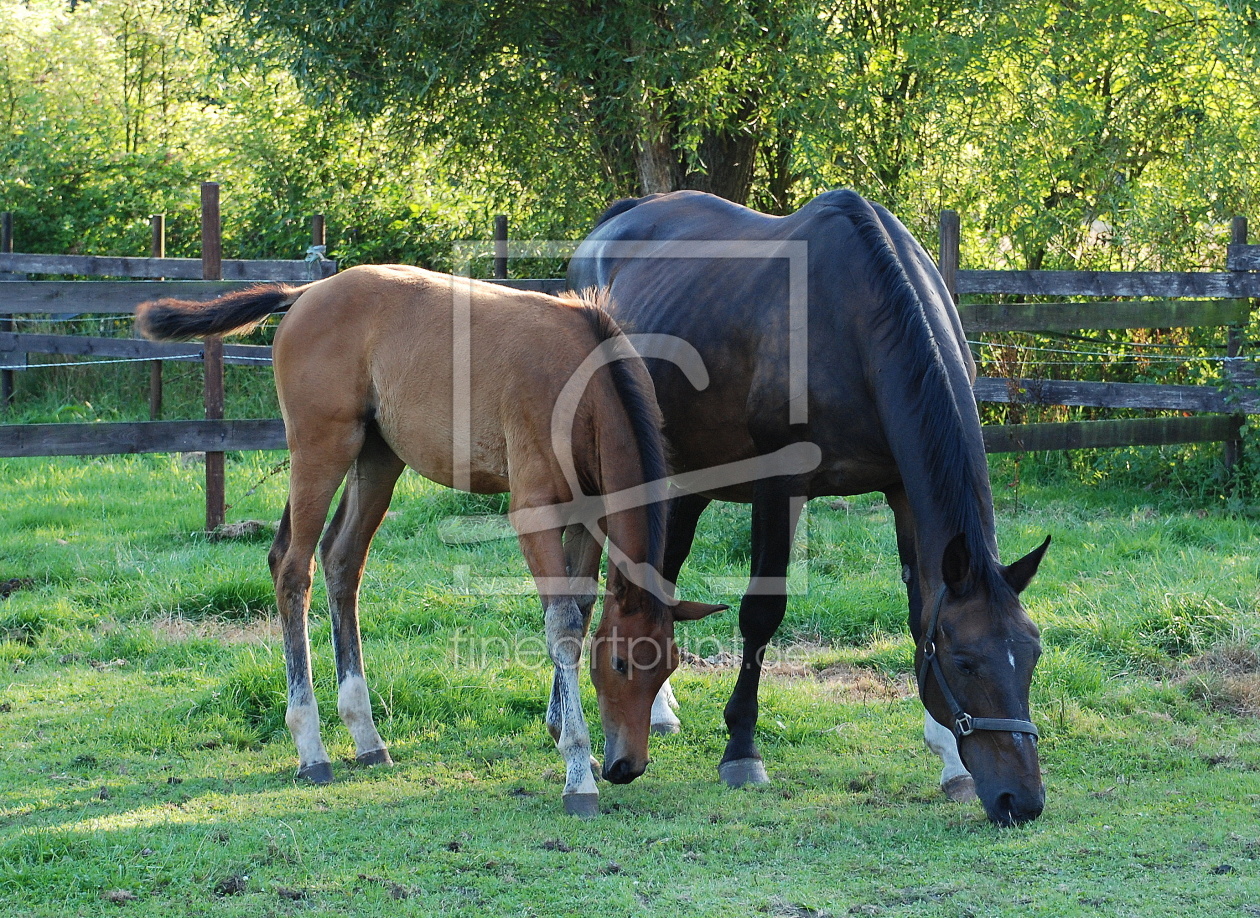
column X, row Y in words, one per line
column 565, row 624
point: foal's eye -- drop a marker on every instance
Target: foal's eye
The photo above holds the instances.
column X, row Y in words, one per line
column 620, row 665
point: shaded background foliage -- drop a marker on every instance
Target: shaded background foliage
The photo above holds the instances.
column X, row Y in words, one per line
column 1099, row 134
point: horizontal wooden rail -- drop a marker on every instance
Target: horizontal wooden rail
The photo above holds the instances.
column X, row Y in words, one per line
column 1114, row 395
column 552, row 285
column 1109, row 283
column 1026, row 438
column 135, row 348
column 169, row 268
column 21, row 440
column 1062, row 317
column 31, row 440
column 104, row 297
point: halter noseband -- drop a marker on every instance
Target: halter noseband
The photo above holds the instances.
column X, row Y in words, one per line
column 964, row 723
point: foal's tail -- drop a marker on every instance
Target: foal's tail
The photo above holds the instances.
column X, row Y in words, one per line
column 179, row 320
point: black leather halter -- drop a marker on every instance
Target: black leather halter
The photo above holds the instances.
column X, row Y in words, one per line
column 964, row 724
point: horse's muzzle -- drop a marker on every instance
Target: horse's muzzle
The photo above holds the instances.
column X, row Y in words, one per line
column 1015, row 808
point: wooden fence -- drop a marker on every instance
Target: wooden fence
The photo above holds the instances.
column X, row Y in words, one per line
column 214, row 435
column 1155, row 300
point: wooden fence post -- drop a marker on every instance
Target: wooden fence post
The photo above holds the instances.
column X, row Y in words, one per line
column 949, row 256
column 1233, row 347
column 157, row 249
column 501, row 246
column 212, row 269
column 6, row 322
column 319, row 235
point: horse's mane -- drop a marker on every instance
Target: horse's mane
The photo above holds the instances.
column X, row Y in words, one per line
column 954, row 468
column 639, row 401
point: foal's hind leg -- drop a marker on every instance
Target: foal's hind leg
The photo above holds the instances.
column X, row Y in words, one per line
column 312, row 482
column 343, row 551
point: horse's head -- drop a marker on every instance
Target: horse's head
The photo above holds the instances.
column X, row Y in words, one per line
column 632, row 655
column 975, row 660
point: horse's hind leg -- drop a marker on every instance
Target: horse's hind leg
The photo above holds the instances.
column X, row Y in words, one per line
column 684, row 516
column 312, row 483
column 343, row 551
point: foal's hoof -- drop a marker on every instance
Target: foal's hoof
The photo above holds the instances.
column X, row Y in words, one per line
column 738, row 772
column 375, row 757
column 584, row 806
column 960, row 789
column 316, row 773
column 665, row 728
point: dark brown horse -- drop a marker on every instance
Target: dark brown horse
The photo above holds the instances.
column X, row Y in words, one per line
column 488, row 389
column 833, row 327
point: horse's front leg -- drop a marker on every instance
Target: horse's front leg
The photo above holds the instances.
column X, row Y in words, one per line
column 565, row 626
column 956, row 781
column 776, row 509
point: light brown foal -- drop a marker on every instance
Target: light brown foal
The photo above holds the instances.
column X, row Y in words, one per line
column 472, row 385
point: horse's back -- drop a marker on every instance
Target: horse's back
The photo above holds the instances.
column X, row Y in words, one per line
column 745, row 309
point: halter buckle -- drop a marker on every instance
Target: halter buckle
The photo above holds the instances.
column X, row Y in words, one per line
column 963, row 725
column 929, row 649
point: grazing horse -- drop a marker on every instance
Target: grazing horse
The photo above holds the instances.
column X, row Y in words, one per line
column 489, row 389
column 832, row 326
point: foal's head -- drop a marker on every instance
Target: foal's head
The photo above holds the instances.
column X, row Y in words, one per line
column 976, row 652
column 632, row 655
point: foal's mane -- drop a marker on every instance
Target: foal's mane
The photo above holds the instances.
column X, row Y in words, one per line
column 954, row 464
column 638, row 399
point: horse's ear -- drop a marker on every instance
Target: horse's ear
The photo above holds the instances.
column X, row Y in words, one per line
column 956, row 566
column 694, row 611
column 1020, row 574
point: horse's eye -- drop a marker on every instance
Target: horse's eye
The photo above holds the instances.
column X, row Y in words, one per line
column 620, row 665
column 965, row 666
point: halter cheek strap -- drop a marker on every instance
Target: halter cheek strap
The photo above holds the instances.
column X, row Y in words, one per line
column 964, row 724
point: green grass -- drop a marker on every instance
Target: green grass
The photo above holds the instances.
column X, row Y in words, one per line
column 144, row 758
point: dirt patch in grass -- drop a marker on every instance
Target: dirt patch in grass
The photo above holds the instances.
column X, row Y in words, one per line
column 1226, row 678
column 793, row 664
column 258, row 631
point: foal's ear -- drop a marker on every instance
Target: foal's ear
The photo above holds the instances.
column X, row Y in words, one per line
column 956, row 566
column 1020, row 574
column 694, row 611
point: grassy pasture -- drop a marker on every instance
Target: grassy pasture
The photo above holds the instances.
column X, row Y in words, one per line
column 145, row 767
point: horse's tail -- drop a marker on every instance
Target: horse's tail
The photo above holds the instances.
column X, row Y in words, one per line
column 179, row 320
column 638, row 400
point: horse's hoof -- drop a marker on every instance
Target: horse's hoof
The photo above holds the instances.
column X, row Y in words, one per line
column 960, row 789
column 665, row 728
column 738, row 772
column 584, row 806
column 596, row 772
column 316, row 773
column 375, row 757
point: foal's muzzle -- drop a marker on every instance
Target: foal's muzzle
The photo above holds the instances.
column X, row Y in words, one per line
column 622, row 771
